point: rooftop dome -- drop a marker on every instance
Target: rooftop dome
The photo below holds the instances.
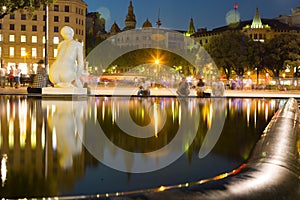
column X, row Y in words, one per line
column 147, row 24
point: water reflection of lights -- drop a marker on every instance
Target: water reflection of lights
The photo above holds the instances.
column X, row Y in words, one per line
column 3, row 169
column 156, row 120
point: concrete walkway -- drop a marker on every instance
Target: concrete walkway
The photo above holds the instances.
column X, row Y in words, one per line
column 120, row 91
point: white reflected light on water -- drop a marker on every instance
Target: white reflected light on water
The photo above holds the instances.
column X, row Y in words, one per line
column 3, row 169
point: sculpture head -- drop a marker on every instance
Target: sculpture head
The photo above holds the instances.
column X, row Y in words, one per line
column 67, row 32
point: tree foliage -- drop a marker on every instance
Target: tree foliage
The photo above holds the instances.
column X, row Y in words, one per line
column 233, row 51
column 10, row 6
column 230, row 51
column 282, row 50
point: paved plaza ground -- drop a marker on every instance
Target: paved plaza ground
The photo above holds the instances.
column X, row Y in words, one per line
column 119, row 91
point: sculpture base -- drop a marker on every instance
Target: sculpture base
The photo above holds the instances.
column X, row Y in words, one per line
column 50, row 91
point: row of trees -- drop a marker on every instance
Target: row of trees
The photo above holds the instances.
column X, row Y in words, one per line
column 9, row 6
column 236, row 52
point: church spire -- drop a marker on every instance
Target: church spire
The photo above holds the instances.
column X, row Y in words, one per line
column 191, row 29
column 256, row 23
column 130, row 22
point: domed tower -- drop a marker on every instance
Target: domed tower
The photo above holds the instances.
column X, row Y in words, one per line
column 147, row 24
column 130, row 21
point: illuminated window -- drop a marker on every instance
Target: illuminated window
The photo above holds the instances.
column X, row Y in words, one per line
column 11, row 38
column 23, row 51
column 44, row 40
column 34, row 39
column 0, row 51
column 55, row 52
column 44, row 52
column 23, row 38
column 1, row 37
column 34, row 52
column 11, row 51
column 55, row 40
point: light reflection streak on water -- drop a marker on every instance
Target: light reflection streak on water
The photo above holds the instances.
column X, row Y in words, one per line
column 266, row 113
column 248, row 112
column 0, row 134
column 210, row 116
column 113, row 113
column 255, row 114
column 155, row 115
column 43, row 137
column 54, row 139
column 33, row 126
column 95, row 111
column 11, row 133
column 179, row 114
column 22, row 108
column 3, row 169
column 8, row 111
column 173, row 108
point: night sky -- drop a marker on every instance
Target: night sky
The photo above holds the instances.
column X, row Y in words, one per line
column 176, row 14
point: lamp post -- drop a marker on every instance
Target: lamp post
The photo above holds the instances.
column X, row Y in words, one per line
column 3, row 10
column 157, row 69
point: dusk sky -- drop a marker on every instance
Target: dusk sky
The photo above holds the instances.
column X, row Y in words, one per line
column 176, row 14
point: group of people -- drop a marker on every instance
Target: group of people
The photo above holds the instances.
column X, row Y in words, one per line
column 183, row 90
column 14, row 75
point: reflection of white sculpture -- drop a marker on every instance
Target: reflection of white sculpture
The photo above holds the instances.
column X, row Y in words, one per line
column 67, row 120
column 66, row 70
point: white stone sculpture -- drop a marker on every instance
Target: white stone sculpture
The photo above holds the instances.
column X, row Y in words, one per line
column 66, row 70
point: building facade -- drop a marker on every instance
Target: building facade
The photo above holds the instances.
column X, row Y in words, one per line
column 258, row 29
column 22, row 36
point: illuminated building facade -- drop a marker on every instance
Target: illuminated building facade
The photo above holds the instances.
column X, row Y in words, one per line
column 258, row 29
column 22, row 36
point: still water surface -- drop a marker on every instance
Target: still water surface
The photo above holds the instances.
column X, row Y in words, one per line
column 100, row 145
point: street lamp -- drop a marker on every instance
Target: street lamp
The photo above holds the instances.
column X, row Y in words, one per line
column 3, row 10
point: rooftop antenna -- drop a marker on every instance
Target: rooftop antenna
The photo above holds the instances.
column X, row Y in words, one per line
column 235, row 6
column 158, row 23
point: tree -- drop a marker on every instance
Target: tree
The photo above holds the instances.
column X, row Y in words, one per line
column 255, row 57
column 10, row 6
column 229, row 51
column 282, row 50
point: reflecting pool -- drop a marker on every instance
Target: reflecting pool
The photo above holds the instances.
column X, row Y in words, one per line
column 102, row 146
